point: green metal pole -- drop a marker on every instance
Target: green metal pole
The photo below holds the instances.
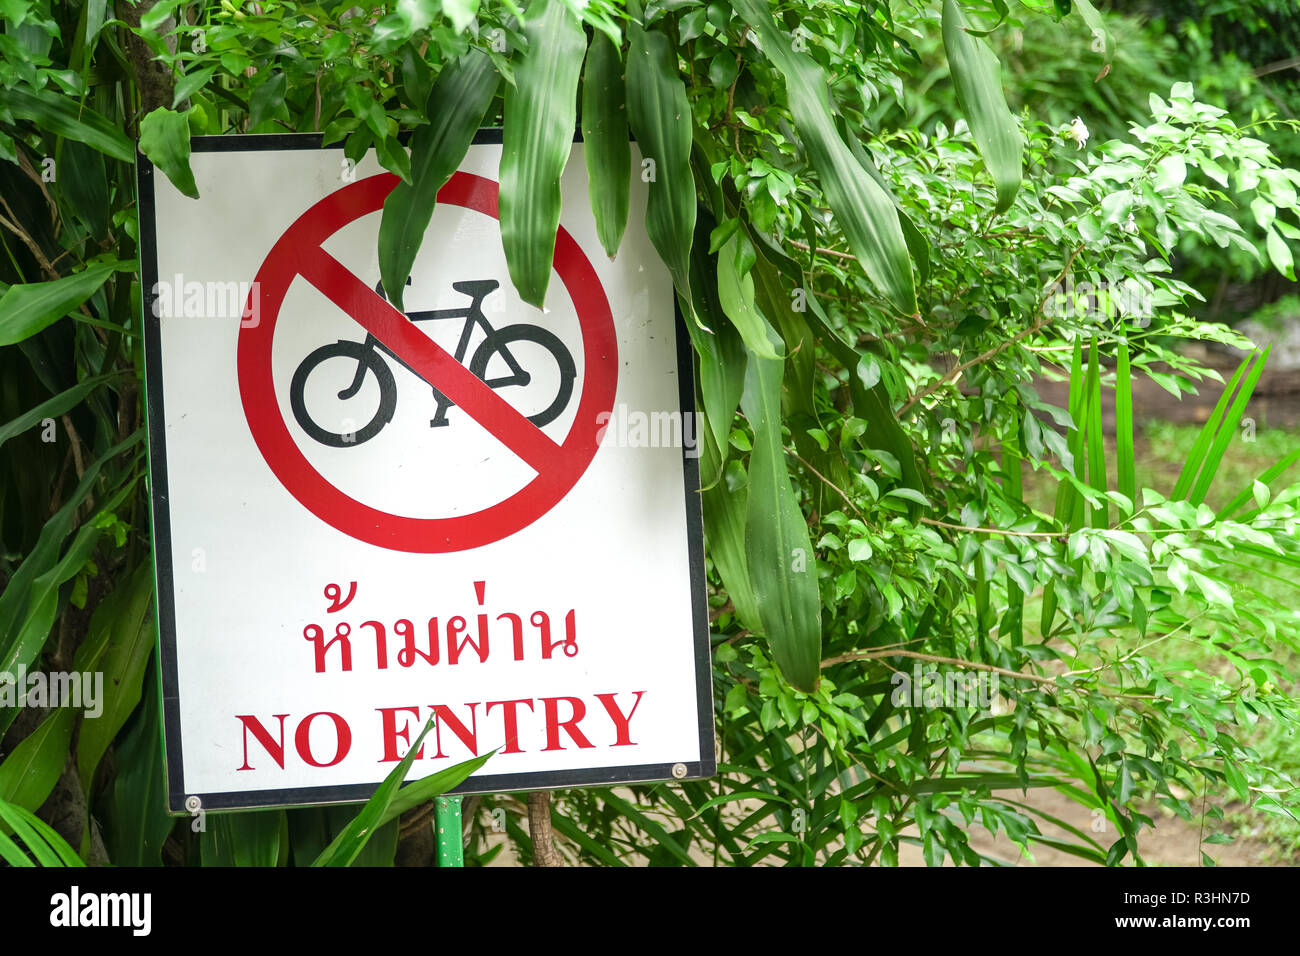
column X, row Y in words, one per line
column 447, row 830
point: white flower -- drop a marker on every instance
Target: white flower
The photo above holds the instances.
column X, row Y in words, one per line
column 1077, row 132
column 1130, row 226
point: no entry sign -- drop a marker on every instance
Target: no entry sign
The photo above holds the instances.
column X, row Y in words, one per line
column 466, row 509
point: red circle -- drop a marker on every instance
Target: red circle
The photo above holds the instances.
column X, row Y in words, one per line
column 358, row 520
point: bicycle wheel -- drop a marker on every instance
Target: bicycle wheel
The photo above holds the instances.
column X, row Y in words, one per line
column 499, row 340
column 366, row 358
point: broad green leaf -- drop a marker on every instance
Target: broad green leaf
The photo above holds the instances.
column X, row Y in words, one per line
column 63, row 116
column 456, row 104
column 460, row 12
column 719, row 350
column 28, row 774
column 863, row 210
column 736, row 294
column 165, row 141
column 136, row 820
column 778, row 552
column 191, row 83
column 606, row 148
column 976, row 74
column 724, row 524
column 249, row 838
column 871, row 401
column 118, row 646
column 540, row 116
column 1279, row 253
column 84, row 183
column 28, row 307
column 660, row 116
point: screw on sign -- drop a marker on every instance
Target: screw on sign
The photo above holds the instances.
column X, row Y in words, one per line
column 389, row 334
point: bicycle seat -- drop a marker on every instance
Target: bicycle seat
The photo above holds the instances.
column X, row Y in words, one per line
column 476, row 288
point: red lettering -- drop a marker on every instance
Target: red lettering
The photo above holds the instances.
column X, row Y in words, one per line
column 342, row 733
column 272, row 747
column 510, row 718
column 621, row 722
column 391, row 733
column 468, row 735
column 553, row 722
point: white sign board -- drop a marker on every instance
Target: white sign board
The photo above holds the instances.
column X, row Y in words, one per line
column 468, row 509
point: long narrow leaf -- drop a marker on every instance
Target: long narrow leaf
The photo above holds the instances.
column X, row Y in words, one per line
column 456, row 104
column 1227, row 431
column 976, row 73
column 541, row 111
column 782, row 566
column 27, row 308
column 64, row 116
column 863, row 211
column 1196, row 457
column 1126, row 472
column 606, row 147
column 28, row 774
column 660, row 116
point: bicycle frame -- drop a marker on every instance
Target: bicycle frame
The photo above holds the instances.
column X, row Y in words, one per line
column 477, row 290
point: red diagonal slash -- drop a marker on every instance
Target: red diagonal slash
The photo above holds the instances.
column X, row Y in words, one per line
column 428, row 359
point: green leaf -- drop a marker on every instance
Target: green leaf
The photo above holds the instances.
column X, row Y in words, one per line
column 191, row 83
column 29, row 773
column 1126, row 468
column 27, row 308
column 660, row 116
column 778, row 552
column 860, row 550
column 250, row 838
column 736, row 294
column 863, row 210
column 1097, row 26
column 51, row 407
column 42, row 842
column 64, row 116
column 388, row 802
column 165, row 140
column 540, row 116
column 118, row 645
column 460, row 12
column 1227, row 430
column 1279, row 253
column 721, row 352
column 976, row 74
column 136, row 820
column 455, row 107
column 606, row 148
column 724, row 524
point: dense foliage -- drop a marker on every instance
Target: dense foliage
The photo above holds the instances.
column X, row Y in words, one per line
column 869, row 298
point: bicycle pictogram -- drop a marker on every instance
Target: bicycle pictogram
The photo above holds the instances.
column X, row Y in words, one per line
column 496, row 342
